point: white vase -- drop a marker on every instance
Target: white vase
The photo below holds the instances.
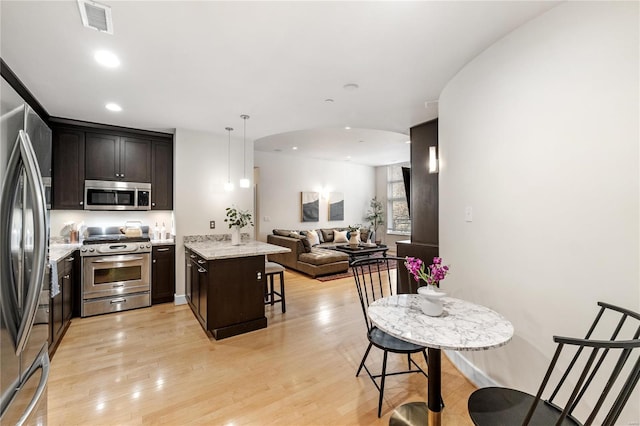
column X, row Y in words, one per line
column 431, row 300
column 353, row 239
column 235, row 236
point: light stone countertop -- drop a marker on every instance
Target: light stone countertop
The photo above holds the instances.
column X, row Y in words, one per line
column 212, row 250
column 169, row 242
column 462, row 326
column 58, row 252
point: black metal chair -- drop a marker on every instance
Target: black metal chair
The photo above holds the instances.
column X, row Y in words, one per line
column 374, row 280
column 604, row 365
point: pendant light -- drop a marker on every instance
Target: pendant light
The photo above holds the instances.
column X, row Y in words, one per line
column 229, row 186
column 244, row 182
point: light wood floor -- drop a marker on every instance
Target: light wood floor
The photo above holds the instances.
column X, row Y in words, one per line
column 157, row 366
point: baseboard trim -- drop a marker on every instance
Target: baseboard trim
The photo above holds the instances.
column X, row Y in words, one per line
column 179, row 299
column 470, row 371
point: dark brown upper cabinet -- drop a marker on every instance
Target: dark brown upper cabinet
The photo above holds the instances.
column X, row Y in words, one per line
column 68, row 169
column 112, row 157
column 161, row 175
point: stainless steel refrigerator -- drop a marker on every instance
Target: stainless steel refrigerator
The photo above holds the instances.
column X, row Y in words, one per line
column 25, row 156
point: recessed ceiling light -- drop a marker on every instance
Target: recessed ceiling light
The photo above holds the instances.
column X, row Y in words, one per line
column 348, row 157
column 347, row 128
column 350, row 87
column 113, row 107
column 106, row 58
column 294, row 148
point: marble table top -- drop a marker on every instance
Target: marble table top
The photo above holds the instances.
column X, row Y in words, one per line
column 212, row 250
column 462, row 326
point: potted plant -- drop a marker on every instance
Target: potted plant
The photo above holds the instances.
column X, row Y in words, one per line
column 237, row 219
column 375, row 216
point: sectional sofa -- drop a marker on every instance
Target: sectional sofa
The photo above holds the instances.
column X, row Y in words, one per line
column 311, row 259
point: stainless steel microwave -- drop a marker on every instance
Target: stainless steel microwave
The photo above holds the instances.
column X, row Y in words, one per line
column 111, row 195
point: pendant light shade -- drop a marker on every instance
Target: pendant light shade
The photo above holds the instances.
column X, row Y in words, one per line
column 229, row 186
column 244, row 182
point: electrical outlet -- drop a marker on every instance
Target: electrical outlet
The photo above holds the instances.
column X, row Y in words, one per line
column 212, row 224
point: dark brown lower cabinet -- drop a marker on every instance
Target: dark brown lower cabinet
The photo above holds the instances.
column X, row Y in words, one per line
column 61, row 305
column 163, row 274
column 226, row 295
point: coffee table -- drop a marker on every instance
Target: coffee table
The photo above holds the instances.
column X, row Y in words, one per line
column 361, row 251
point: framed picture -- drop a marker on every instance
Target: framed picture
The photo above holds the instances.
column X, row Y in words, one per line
column 310, row 206
column 336, row 206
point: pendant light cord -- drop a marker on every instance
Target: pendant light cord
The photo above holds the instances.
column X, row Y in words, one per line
column 229, row 129
column 244, row 145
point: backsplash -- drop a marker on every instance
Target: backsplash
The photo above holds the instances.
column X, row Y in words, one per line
column 58, row 219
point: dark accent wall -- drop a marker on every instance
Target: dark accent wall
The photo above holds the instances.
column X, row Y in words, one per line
column 424, row 185
column 424, row 202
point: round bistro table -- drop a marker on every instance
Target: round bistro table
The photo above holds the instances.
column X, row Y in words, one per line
column 463, row 326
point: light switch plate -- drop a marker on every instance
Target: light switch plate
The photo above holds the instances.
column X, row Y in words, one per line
column 468, row 214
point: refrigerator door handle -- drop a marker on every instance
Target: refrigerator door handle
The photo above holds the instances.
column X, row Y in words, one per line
column 42, row 361
column 20, row 327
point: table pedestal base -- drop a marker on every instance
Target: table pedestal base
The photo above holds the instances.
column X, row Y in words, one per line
column 414, row 414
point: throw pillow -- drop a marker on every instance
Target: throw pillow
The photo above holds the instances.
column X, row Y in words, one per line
column 327, row 235
column 364, row 234
column 294, row 234
column 312, row 236
column 306, row 244
column 340, row 236
column 319, row 232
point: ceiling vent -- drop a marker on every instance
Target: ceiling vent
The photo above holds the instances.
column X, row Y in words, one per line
column 96, row 16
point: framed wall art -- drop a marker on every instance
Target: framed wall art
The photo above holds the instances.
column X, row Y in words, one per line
column 336, row 206
column 310, row 206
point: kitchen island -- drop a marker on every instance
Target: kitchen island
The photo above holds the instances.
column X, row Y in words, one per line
column 225, row 285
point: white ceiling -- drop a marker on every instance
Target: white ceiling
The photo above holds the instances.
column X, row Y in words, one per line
column 201, row 64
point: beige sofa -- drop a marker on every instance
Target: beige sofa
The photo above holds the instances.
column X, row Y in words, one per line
column 318, row 261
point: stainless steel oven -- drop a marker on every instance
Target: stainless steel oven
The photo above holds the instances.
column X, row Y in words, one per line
column 116, row 276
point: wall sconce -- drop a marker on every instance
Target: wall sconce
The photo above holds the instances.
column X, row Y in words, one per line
column 433, row 160
column 229, row 186
column 244, row 182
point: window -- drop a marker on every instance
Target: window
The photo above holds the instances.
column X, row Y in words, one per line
column 397, row 209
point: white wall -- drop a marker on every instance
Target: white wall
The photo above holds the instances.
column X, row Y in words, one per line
column 540, row 136
column 200, row 174
column 283, row 178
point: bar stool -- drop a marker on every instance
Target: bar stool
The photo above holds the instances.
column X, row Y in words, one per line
column 271, row 269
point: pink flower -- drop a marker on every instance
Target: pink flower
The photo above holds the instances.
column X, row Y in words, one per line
column 433, row 274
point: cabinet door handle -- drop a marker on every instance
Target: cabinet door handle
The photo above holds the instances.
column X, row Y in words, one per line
column 162, row 249
column 202, row 270
column 66, row 277
column 192, row 256
column 121, row 174
column 153, row 204
column 200, row 261
column 154, row 261
column 70, row 259
column 81, row 202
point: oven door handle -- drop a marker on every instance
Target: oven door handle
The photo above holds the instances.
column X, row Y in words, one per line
column 119, row 259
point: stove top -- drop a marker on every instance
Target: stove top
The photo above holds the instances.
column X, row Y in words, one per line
column 115, row 238
column 112, row 234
